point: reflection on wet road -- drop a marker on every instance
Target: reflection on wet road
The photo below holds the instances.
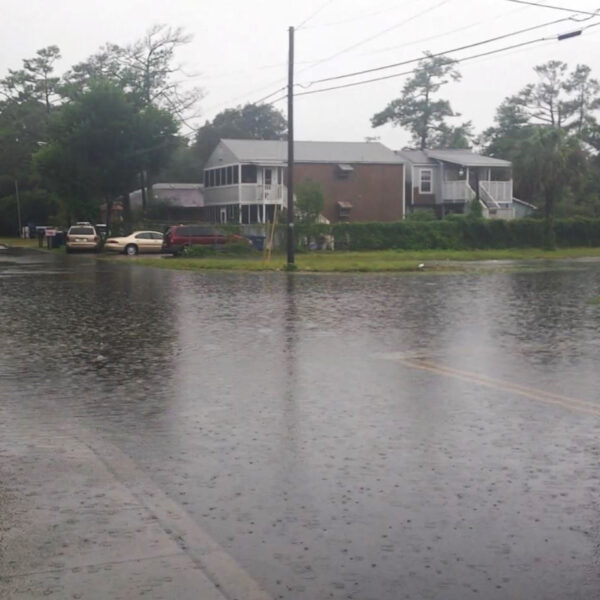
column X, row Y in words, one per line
column 373, row 437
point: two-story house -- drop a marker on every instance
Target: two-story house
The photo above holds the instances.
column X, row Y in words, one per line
column 245, row 180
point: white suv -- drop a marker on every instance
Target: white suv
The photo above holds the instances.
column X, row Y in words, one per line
column 82, row 236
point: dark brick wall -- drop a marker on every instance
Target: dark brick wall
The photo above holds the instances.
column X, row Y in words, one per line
column 375, row 191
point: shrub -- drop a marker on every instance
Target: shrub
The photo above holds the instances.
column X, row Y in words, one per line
column 463, row 233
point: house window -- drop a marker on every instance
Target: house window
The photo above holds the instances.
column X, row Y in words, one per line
column 343, row 171
column 343, row 209
column 229, row 175
column 425, row 181
column 236, row 173
column 268, row 177
column 249, row 173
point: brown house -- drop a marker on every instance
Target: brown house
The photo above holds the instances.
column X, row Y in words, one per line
column 245, row 180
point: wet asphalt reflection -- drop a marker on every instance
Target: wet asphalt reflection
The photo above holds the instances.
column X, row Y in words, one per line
column 332, row 432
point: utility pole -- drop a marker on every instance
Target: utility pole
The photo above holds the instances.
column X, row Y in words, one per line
column 290, row 168
column 18, row 206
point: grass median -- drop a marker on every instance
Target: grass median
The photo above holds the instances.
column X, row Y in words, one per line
column 367, row 261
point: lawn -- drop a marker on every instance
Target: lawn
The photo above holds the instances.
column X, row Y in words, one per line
column 368, row 261
column 344, row 261
column 15, row 241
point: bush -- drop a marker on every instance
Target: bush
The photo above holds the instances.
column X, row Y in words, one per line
column 462, row 233
column 232, row 249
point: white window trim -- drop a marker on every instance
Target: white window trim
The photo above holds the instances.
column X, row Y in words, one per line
column 421, row 171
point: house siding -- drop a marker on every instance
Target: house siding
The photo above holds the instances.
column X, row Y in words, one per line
column 375, row 191
column 422, row 199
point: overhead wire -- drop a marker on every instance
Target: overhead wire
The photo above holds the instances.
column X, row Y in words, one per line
column 375, row 36
column 457, row 49
column 571, row 10
column 412, row 71
column 313, row 15
column 443, row 34
column 359, row 17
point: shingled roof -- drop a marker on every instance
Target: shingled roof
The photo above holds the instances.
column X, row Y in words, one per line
column 464, row 158
column 275, row 152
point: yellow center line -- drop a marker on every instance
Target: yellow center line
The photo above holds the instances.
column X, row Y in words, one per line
column 506, row 386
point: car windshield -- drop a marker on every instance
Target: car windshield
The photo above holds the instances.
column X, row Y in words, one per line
column 82, row 231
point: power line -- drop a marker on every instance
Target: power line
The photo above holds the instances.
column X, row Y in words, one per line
column 458, row 49
column 445, row 33
column 571, row 10
column 360, row 17
column 314, row 14
column 458, row 60
column 371, row 38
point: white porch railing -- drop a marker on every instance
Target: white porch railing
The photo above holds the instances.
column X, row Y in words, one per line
column 270, row 194
column 500, row 191
column 460, row 191
column 456, row 191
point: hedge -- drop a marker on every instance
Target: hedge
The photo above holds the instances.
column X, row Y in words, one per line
column 455, row 233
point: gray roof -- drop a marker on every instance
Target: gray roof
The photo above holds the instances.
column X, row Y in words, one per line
column 275, row 152
column 416, row 157
column 177, row 186
column 464, row 158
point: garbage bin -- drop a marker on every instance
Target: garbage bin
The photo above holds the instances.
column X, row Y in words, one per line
column 59, row 239
column 50, row 235
column 258, row 241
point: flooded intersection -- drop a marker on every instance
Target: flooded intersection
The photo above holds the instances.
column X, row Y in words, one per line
column 298, row 436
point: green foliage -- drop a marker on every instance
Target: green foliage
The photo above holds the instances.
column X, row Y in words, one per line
column 425, row 117
column 421, row 215
column 249, row 122
column 37, row 206
column 310, row 200
column 230, row 249
column 35, row 81
column 462, row 233
column 145, row 70
column 97, row 145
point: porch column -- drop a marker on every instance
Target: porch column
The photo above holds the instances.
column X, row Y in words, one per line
column 239, row 168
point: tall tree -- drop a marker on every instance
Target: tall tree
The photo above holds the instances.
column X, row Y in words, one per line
column 585, row 98
column 550, row 157
column 145, row 69
column 36, row 80
column 249, row 122
column 559, row 99
column 418, row 111
column 97, row 143
column 560, row 102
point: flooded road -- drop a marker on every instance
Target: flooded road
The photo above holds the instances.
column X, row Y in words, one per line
column 374, row 437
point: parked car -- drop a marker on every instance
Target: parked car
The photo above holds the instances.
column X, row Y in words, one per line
column 138, row 241
column 82, row 236
column 179, row 237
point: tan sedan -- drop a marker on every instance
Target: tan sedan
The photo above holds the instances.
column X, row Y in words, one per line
column 138, row 241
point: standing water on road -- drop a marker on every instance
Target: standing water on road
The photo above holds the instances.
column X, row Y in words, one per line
column 360, row 436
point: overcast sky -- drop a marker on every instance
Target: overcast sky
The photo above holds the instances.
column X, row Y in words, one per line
column 239, row 49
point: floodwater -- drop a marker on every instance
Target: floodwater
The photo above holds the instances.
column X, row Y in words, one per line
column 367, row 436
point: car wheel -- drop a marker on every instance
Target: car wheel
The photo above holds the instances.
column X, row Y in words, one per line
column 131, row 250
